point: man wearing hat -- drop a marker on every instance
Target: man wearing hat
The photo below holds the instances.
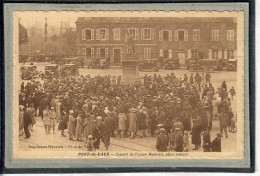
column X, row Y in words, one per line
column 223, row 122
column 27, row 122
column 216, row 144
column 102, row 131
column 109, row 127
column 179, row 140
column 162, row 141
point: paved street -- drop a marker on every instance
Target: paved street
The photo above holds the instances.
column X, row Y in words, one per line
column 38, row 136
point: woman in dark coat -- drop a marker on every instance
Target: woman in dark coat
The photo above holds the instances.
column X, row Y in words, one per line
column 196, row 139
column 142, row 122
column 63, row 123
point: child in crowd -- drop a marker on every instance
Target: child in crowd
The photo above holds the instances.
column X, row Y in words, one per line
column 186, row 141
column 171, row 139
column 90, row 143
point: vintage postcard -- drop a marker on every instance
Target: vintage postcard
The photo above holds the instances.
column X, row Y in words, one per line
column 140, row 86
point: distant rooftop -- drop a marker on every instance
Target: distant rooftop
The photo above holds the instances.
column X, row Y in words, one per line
column 155, row 19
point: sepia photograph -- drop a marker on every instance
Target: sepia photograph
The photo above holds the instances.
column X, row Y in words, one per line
column 129, row 85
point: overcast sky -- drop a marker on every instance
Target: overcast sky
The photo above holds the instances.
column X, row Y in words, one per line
column 53, row 18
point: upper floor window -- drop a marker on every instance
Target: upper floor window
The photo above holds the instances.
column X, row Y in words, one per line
column 133, row 32
column 102, row 34
column 230, row 35
column 116, row 33
column 215, row 35
column 147, row 34
column 196, row 35
column 87, row 34
column 165, row 35
column 181, row 35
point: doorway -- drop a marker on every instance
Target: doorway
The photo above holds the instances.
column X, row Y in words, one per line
column 182, row 59
column 117, row 56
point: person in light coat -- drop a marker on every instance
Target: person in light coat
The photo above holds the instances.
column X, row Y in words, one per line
column 122, row 124
column 52, row 119
column 88, row 125
column 79, row 127
column 46, row 119
column 71, row 126
column 132, row 122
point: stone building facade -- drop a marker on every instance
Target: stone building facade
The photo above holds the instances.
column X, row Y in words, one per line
column 157, row 38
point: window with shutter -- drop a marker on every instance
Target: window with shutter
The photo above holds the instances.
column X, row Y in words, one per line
column 142, row 34
column 160, row 35
column 106, row 52
column 102, row 52
column 147, row 34
column 176, row 35
column 185, row 35
column 88, row 34
column 83, row 34
column 116, row 32
column 98, row 34
column 196, row 34
column 230, row 35
column 88, row 52
column 152, row 34
column 147, row 53
column 106, row 34
column 98, row 52
column 92, row 34
column 92, row 53
column 215, row 35
column 170, row 35
column 84, row 52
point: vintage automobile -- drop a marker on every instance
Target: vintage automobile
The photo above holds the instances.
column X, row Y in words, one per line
column 93, row 63
column 104, row 63
column 23, row 58
column 78, row 61
column 204, row 64
column 232, row 65
column 51, row 71
column 68, row 70
column 172, row 64
column 29, row 71
column 149, row 65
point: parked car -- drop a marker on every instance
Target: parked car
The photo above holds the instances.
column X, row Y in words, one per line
column 172, row 64
column 149, row 65
column 51, row 71
column 104, row 63
column 69, row 70
column 93, row 63
column 232, row 65
column 29, row 71
column 78, row 61
column 204, row 64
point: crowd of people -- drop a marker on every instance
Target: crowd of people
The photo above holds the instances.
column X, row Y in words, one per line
column 93, row 109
